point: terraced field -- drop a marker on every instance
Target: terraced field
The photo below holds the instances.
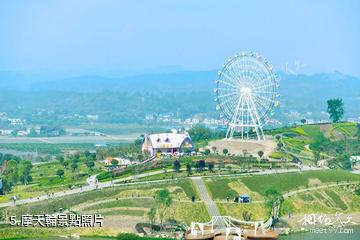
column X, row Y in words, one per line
column 297, row 139
column 220, row 188
column 139, row 200
column 330, row 200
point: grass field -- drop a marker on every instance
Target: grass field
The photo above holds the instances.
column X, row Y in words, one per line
column 297, row 139
column 45, row 180
column 219, row 187
column 330, row 200
column 258, row 211
column 181, row 189
column 141, row 202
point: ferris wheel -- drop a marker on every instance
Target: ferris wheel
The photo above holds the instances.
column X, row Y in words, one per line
column 246, row 94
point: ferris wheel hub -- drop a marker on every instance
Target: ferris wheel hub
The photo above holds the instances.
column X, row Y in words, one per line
column 245, row 90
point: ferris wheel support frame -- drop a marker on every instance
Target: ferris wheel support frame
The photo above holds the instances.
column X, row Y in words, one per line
column 249, row 118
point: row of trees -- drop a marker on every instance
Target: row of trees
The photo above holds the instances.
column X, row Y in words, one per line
column 74, row 161
column 14, row 170
column 201, row 133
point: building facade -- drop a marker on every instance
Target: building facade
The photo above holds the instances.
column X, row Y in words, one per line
column 167, row 143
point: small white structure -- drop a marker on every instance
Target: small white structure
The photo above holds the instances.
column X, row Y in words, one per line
column 121, row 161
column 355, row 162
column 168, row 143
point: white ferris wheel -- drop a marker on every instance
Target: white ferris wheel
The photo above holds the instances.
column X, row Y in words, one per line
column 246, row 95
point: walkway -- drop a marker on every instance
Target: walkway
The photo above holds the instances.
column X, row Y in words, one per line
column 204, row 195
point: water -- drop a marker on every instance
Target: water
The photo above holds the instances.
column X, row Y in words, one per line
column 325, row 236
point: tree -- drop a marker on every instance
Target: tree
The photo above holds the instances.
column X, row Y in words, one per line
column 273, row 195
column 163, row 201
column 139, row 157
column 214, row 149
column 316, row 156
column 74, row 166
column 152, row 216
column 196, row 150
column 7, row 186
column 12, row 171
column 303, row 121
column 188, row 169
column 90, row 164
column 114, row 163
column 260, row 154
column 207, row 152
column 280, row 145
column 200, row 165
column 32, row 133
column 225, row 151
column 211, row 166
column 60, row 173
column 346, row 163
column 335, row 108
column 25, row 168
column 246, row 216
column 278, row 137
column 61, row 159
column 66, row 163
column 319, row 143
column 87, row 153
column 358, row 130
column 177, row 166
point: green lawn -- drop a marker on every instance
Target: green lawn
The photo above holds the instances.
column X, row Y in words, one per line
column 347, row 129
column 329, row 200
column 129, row 212
column 290, row 181
column 45, row 180
column 67, row 202
column 46, row 148
column 123, row 203
column 336, row 199
column 219, row 187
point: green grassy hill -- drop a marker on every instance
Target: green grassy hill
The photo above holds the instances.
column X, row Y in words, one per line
column 220, row 188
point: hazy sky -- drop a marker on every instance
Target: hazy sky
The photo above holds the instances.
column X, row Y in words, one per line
column 104, row 35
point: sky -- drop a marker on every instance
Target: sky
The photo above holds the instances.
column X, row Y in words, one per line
column 82, row 36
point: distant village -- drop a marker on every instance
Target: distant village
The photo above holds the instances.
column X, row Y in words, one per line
column 19, row 127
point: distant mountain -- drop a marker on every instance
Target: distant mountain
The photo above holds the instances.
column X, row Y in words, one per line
column 302, row 93
column 166, row 82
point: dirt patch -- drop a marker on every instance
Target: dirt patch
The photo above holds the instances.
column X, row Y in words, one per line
column 326, row 129
column 124, row 223
column 314, row 182
column 237, row 146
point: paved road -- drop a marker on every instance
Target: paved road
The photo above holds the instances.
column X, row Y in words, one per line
column 205, row 196
column 92, row 184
